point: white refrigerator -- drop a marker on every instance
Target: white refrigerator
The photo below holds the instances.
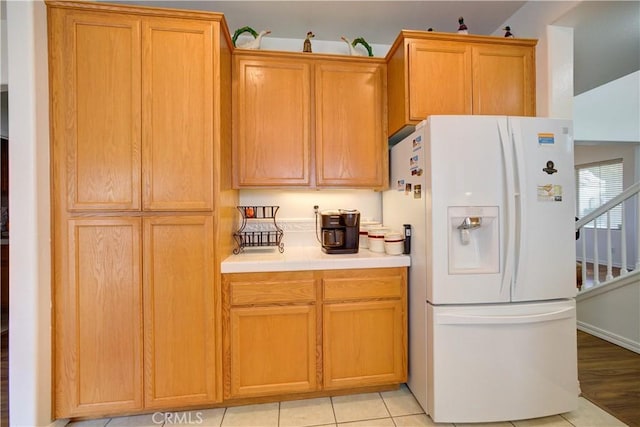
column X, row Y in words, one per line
column 492, row 321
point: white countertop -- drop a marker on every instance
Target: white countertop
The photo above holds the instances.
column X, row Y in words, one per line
column 254, row 260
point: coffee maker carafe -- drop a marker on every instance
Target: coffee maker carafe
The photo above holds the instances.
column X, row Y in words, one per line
column 340, row 231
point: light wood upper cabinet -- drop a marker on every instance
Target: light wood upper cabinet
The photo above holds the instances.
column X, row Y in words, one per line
column 503, row 80
column 351, row 142
column 97, row 85
column 177, row 93
column 441, row 73
column 309, row 121
column 448, row 64
column 272, row 143
column 136, row 110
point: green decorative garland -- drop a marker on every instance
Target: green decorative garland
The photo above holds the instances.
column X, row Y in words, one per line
column 243, row 30
column 364, row 43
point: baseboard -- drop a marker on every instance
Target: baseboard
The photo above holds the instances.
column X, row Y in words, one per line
column 610, row 336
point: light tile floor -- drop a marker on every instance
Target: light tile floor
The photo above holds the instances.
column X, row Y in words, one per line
column 396, row 408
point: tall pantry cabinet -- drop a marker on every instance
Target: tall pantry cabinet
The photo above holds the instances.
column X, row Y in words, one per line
column 140, row 105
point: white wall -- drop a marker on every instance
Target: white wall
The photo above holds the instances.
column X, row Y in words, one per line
column 3, row 44
column 612, row 314
column 296, row 216
column 4, row 99
column 560, row 72
column 30, row 278
column 4, row 114
column 531, row 21
column 298, row 204
column 610, row 112
column 318, row 46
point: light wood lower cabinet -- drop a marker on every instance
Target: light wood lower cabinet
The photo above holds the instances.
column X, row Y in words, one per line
column 100, row 326
column 179, row 308
column 296, row 332
column 364, row 327
column 273, row 350
column 270, row 336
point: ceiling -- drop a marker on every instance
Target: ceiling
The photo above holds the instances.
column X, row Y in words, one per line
column 606, row 38
column 606, row 33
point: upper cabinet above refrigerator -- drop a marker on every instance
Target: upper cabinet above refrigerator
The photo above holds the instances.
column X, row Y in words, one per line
column 432, row 73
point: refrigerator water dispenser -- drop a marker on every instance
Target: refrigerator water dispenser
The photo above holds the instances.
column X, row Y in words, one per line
column 474, row 239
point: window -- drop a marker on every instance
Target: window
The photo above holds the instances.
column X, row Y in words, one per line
column 596, row 184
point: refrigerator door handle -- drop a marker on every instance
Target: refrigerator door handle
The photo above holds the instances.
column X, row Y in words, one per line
column 471, row 319
column 508, row 249
column 521, row 194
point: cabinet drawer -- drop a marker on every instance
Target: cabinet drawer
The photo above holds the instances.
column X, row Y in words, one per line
column 385, row 283
column 281, row 288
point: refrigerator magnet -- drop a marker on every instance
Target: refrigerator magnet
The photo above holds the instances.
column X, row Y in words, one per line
column 400, row 185
column 407, row 188
column 416, row 143
column 549, row 193
column 413, row 161
column 417, row 191
column 546, row 138
column 550, row 169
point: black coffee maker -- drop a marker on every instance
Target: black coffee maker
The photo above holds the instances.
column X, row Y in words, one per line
column 340, row 231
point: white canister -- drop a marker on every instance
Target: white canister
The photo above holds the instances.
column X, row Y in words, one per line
column 364, row 233
column 376, row 239
column 393, row 243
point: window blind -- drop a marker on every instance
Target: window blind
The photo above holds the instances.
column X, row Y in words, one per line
column 596, row 184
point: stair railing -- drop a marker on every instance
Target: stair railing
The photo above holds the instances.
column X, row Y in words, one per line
column 605, row 209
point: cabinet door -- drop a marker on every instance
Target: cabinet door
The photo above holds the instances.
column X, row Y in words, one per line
column 439, row 79
column 350, row 123
column 363, row 344
column 272, row 122
column 98, row 319
column 273, row 350
column 96, row 119
column 178, row 114
column 504, row 80
column 181, row 339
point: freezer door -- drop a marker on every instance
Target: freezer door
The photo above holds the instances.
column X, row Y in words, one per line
column 501, row 362
column 544, row 267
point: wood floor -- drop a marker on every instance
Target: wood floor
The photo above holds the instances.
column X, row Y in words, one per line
column 610, row 377
column 602, row 274
column 4, row 380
